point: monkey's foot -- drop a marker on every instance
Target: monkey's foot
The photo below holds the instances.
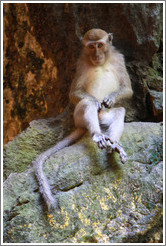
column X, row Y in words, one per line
column 116, row 147
column 100, row 140
column 123, row 155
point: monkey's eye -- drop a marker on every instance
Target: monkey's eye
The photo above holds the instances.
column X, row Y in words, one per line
column 100, row 45
column 91, row 46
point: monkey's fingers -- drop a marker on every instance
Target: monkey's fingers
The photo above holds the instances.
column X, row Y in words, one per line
column 110, row 146
column 102, row 144
column 99, row 144
column 108, row 103
column 100, row 140
column 99, row 106
column 108, row 139
column 102, row 106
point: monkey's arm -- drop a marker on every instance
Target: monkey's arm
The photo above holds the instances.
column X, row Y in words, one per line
column 125, row 90
column 77, row 93
column 117, row 97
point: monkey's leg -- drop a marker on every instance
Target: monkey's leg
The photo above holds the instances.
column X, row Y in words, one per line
column 113, row 119
column 86, row 116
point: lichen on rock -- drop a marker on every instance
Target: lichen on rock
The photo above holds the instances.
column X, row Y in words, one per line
column 99, row 200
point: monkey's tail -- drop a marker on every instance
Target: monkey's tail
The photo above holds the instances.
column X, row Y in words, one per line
column 38, row 165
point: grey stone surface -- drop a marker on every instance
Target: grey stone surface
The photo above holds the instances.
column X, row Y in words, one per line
column 99, row 199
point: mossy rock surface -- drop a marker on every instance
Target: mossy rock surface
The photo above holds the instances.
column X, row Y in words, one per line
column 99, row 199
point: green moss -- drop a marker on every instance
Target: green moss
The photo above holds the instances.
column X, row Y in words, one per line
column 152, row 72
column 156, row 152
column 150, row 205
column 19, row 153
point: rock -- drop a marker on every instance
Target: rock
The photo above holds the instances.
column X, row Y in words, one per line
column 47, row 133
column 155, row 82
column 156, row 99
column 42, row 43
column 99, row 199
column 154, row 74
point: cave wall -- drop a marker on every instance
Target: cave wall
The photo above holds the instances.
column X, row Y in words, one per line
column 41, row 46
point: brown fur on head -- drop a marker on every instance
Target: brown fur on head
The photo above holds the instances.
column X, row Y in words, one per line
column 96, row 44
column 94, row 35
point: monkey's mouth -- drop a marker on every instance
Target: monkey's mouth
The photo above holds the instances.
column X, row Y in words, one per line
column 97, row 60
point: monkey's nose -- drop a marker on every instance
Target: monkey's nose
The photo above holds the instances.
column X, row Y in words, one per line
column 97, row 57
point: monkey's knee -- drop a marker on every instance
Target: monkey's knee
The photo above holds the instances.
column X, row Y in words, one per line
column 120, row 113
column 122, row 110
column 106, row 117
column 79, row 114
column 84, row 111
column 113, row 123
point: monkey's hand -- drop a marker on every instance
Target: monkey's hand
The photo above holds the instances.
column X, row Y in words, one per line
column 116, row 147
column 109, row 101
column 100, row 140
column 99, row 105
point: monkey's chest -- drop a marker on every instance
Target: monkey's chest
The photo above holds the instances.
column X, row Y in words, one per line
column 102, row 84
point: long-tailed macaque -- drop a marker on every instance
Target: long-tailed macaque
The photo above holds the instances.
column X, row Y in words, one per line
column 100, row 84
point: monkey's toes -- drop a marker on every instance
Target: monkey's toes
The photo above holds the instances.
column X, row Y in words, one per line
column 102, row 144
column 123, row 157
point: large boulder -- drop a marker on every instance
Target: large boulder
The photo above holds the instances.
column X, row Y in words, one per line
column 99, row 200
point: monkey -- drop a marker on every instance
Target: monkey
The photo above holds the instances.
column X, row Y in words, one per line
column 100, row 85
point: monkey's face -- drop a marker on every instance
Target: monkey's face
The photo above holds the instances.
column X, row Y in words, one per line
column 96, row 44
column 96, row 52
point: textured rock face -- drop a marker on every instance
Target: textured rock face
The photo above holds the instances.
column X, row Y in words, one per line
column 41, row 46
column 99, row 199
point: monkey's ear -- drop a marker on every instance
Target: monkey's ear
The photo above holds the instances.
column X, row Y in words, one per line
column 110, row 37
column 80, row 38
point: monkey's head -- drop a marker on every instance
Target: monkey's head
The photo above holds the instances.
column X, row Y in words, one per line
column 96, row 43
